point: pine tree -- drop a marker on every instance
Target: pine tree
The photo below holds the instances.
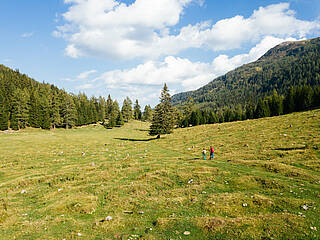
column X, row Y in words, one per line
column 163, row 120
column 20, row 111
column 4, row 113
column 126, row 109
column 44, row 117
column 102, row 108
column 56, row 120
column 68, row 111
column 137, row 111
column 119, row 121
column 262, row 109
column 34, row 109
column 147, row 113
column 275, row 104
column 114, row 114
column 109, row 104
column 289, row 104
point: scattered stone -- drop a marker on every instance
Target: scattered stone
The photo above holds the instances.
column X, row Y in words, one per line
column 108, row 218
column 60, row 189
column 313, row 228
column 246, row 145
column 141, row 212
column 25, row 214
column 186, row 233
column 23, row 191
column 190, row 181
column 83, row 153
column 305, row 207
column 79, row 234
column 285, row 134
column 189, row 149
column 204, row 192
column 244, row 204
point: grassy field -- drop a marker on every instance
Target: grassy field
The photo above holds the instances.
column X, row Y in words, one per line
column 94, row 183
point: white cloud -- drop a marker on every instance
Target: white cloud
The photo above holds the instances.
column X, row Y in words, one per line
column 27, row 35
column 145, row 81
column 86, row 74
column 115, row 30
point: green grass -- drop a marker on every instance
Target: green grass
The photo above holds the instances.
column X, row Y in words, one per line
column 263, row 173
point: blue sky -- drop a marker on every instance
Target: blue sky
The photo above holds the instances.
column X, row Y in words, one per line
column 131, row 47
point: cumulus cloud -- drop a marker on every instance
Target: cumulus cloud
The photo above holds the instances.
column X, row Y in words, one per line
column 145, row 81
column 113, row 29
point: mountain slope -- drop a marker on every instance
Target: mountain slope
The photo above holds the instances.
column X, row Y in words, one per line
column 288, row 64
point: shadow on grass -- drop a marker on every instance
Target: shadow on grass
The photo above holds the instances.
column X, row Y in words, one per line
column 291, row 148
column 142, row 130
column 136, row 140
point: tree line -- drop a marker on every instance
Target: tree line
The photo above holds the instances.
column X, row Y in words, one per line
column 297, row 98
column 26, row 102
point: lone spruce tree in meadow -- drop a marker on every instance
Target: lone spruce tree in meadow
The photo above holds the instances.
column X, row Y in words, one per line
column 163, row 119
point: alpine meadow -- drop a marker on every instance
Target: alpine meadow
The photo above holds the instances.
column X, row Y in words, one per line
column 160, row 120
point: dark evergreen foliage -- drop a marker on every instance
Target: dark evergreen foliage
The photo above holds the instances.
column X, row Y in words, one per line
column 164, row 118
column 26, row 102
column 137, row 111
column 288, row 64
column 296, row 99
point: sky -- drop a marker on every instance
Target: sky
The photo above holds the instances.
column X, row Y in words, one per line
column 132, row 47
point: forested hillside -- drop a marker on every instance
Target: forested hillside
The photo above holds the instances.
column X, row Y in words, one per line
column 288, row 64
column 26, row 102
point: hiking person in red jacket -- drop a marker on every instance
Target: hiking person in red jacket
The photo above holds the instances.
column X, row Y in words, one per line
column 211, row 153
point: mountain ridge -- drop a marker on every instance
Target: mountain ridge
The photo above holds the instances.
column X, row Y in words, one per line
column 288, row 64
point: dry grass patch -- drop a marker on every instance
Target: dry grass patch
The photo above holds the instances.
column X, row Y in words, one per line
column 237, row 204
column 267, row 226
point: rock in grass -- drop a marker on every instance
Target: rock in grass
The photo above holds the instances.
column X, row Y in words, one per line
column 313, row 228
column 186, row 233
column 190, row 181
column 244, row 204
column 304, row 207
column 23, row 191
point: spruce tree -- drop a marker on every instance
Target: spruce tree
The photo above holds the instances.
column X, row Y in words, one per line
column 55, row 111
column 119, row 121
column 147, row 113
column 109, row 107
column 4, row 113
column 163, row 120
column 126, row 109
column 114, row 114
column 20, row 110
column 137, row 111
column 102, row 108
column 68, row 112
column 34, row 109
